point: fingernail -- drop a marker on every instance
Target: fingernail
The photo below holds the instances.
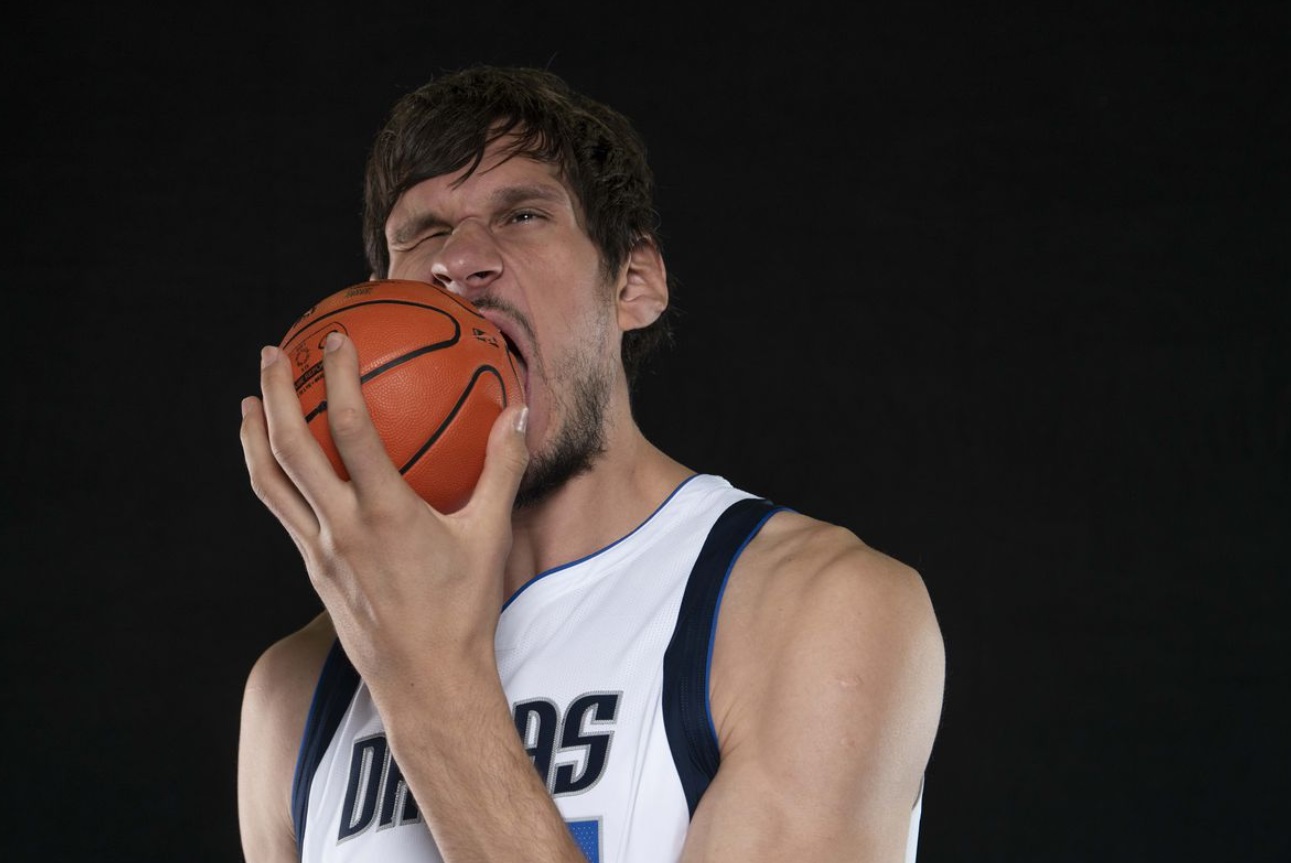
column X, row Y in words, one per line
column 268, row 355
column 522, row 421
column 332, row 342
column 246, row 406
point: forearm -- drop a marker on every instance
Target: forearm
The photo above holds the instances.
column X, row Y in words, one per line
column 459, row 752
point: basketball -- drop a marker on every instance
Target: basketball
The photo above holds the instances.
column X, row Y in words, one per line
column 435, row 375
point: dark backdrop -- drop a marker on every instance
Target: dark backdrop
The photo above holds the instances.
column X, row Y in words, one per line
column 1003, row 292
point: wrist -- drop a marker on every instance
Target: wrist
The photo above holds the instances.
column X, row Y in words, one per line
column 445, row 698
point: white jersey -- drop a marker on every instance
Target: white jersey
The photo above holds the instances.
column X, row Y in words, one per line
column 605, row 664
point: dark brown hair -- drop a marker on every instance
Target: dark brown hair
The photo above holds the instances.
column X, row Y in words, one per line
column 445, row 125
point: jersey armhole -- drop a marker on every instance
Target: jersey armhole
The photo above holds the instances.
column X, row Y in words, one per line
column 687, row 716
column 337, row 683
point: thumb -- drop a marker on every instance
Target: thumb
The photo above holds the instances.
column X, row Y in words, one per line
column 504, row 464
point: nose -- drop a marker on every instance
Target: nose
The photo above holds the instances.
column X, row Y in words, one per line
column 469, row 260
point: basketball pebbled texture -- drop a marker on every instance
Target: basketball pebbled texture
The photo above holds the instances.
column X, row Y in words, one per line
column 435, row 375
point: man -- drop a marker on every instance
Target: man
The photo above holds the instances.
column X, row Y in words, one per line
column 603, row 655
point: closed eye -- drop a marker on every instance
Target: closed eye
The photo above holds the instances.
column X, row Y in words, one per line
column 409, row 246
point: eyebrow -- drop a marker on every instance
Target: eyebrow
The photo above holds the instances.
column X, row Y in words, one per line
column 501, row 199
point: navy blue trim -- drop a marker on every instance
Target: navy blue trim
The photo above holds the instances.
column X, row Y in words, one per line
column 687, row 716
column 337, row 684
column 556, row 569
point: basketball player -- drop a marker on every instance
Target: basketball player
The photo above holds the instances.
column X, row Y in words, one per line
column 605, row 655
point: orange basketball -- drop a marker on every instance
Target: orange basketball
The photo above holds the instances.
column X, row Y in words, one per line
column 435, row 375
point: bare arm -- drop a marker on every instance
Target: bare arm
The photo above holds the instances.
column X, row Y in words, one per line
column 274, row 709
column 827, row 687
column 486, row 802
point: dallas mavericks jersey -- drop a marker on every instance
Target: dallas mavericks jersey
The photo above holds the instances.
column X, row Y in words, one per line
column 605, row 663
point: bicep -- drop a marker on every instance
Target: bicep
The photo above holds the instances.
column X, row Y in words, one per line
column 825, row 744
column 756, row 811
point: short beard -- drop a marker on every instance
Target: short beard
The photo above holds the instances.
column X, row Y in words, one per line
column 580, row 441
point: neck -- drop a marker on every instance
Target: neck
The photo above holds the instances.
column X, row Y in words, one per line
column 625, row 485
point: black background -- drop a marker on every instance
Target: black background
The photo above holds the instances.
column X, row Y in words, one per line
column 1002, row 291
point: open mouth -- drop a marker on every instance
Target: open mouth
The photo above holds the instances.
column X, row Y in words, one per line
column 518, row 362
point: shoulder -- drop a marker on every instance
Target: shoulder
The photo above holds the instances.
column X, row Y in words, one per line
column 813, row 612
column 275, row 706
column 282, row 666
column 280, row 687
column 798, row 565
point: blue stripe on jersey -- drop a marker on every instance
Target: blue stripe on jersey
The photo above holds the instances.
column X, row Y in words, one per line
column 599, row 551
column 686, row 663
column 337, row 684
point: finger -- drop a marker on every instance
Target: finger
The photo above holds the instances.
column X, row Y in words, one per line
column 350, row 422
column 290, row 441
column 504, row 464
column 268, row 481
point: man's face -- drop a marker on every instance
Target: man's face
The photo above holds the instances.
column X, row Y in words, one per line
column 510, row 239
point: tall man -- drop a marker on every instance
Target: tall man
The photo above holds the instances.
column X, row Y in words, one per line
column 604, row 655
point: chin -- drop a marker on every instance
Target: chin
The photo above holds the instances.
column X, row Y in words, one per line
column 549, row 472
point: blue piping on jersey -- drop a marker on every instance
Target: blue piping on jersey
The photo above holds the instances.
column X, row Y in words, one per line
column 717, row 610
column 601, row 551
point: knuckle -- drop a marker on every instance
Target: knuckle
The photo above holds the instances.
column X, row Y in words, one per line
column 285, row 447
column 257, row 485
column 337, row 544
column 346, row 423
column 391, row 510
column 381, row 510
column 518, row 458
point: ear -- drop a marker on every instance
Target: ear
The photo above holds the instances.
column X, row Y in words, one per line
column 643, row 287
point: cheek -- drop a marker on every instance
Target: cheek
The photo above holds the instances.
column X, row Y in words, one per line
column 583, row 344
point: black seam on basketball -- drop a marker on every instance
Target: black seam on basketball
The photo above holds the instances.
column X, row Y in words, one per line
column 447, row 293
column 313, row 321
column 411, row 355
column 399, row 360
column 448, row 420
column 472, row 310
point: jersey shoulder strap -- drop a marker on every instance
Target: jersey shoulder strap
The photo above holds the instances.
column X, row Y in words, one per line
column 687, row 716
column 337, row 684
